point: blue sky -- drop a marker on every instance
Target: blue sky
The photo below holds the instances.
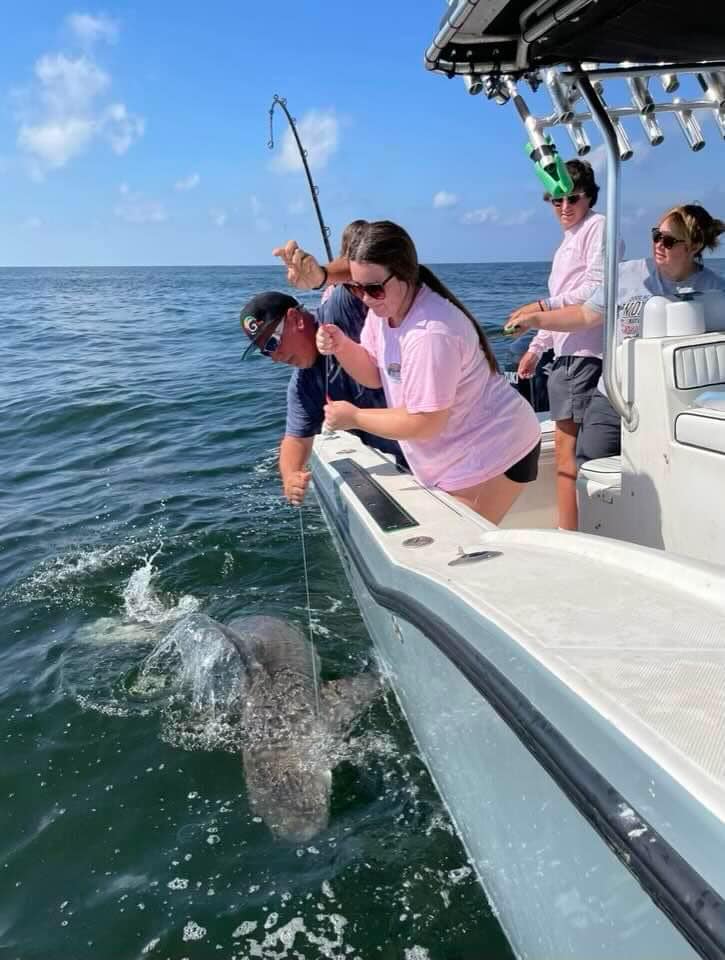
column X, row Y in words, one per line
column 137, row 134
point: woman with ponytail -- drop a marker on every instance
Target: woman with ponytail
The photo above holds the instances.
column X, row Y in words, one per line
column 462, row 427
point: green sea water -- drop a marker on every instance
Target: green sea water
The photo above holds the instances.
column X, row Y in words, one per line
column 138, row 487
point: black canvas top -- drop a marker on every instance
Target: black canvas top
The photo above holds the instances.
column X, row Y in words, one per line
column 603, row 31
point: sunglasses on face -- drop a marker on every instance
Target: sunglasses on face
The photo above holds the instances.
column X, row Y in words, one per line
column 666, row 239
column 273, row 341
column 376, row 291
column 572, row 200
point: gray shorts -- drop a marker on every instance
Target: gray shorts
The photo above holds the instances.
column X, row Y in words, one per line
column 601, row 431
column 572, row 382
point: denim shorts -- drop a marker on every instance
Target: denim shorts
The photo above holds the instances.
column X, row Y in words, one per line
column 572, row 382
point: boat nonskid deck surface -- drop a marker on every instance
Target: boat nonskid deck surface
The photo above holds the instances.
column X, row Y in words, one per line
column 621, row 647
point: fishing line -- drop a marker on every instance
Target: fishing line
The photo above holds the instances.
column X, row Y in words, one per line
column 309, row 615
column 281, row 102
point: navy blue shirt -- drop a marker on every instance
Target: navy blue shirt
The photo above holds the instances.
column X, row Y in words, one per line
column 306, row 390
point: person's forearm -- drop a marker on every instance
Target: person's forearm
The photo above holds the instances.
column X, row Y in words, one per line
column 567, row 319
column 398, row 424
column 356, row 361
column 294, row 452
column 338, row 270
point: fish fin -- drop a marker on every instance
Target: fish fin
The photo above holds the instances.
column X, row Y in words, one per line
column 343, row 701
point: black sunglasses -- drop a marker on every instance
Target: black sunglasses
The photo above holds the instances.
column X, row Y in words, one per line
column 376, row 291
column 666, row 239
column 271, row 344
column 572, row 199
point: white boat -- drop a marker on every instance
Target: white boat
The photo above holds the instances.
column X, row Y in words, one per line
column 567, row 690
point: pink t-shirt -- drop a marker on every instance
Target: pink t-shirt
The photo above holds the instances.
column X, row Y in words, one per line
column 433, row 361
column 576, row 271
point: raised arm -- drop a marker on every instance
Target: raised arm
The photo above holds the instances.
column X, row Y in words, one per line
column 303, row 270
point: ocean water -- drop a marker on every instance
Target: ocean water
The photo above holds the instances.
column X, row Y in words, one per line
column 138, row 489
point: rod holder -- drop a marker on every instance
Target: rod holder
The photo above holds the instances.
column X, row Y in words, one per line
column 579, row 138
column 652, row 129
column 690, row 128
column 473, row 83
column 560, row 96
column 624, row 146
column 641, row 97
column 670, row 82
column 719, row 116
column 713, row 85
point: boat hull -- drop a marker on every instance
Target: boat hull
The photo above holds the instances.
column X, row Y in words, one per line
column 558, row 886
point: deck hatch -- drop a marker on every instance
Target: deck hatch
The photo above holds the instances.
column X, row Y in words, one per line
column 388, row 514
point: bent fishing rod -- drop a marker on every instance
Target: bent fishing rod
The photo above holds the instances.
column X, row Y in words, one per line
column 314, row 191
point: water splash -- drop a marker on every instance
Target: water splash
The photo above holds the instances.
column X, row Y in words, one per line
column 144, row 606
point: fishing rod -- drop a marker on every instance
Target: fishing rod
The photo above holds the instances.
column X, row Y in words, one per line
column 325, row 231
column 314, row 191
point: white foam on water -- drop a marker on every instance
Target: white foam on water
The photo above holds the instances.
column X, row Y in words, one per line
column 57, row 579
column 193, row 931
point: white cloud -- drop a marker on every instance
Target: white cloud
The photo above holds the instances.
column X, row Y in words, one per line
column 120, row 128
column 482, row 215
column 519, row 218
column 444, row 199
column 219, row 217
column 69, row 85
column 188, row 183
column 260, row 222
column 32, row 223
column 319, row 133
column 61, row 114
column 54, row 143
column 494, row 215
column 297, row 207
column 88, row 28
column 136, row 208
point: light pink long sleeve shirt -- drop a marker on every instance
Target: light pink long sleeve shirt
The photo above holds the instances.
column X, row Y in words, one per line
column 576, row 271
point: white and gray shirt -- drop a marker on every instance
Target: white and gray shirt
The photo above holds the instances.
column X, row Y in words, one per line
column 638, row 281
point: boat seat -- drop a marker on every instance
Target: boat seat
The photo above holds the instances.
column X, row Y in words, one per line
column 605, row 471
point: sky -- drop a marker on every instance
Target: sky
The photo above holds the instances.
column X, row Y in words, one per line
column 137, row 134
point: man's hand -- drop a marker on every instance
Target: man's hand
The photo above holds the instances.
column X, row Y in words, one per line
column 295, row 486
column 340, row 415
column 303, row 271
column 528, row 364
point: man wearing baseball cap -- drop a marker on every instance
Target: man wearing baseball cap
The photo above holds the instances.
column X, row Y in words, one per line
column 284, row 330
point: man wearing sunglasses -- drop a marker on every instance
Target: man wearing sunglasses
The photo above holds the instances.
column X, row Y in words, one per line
column 281, row 328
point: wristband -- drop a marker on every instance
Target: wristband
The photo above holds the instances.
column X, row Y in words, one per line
column 542, row 308
column 324, row 279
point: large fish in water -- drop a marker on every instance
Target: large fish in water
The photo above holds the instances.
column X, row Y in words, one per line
column 292, row 738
